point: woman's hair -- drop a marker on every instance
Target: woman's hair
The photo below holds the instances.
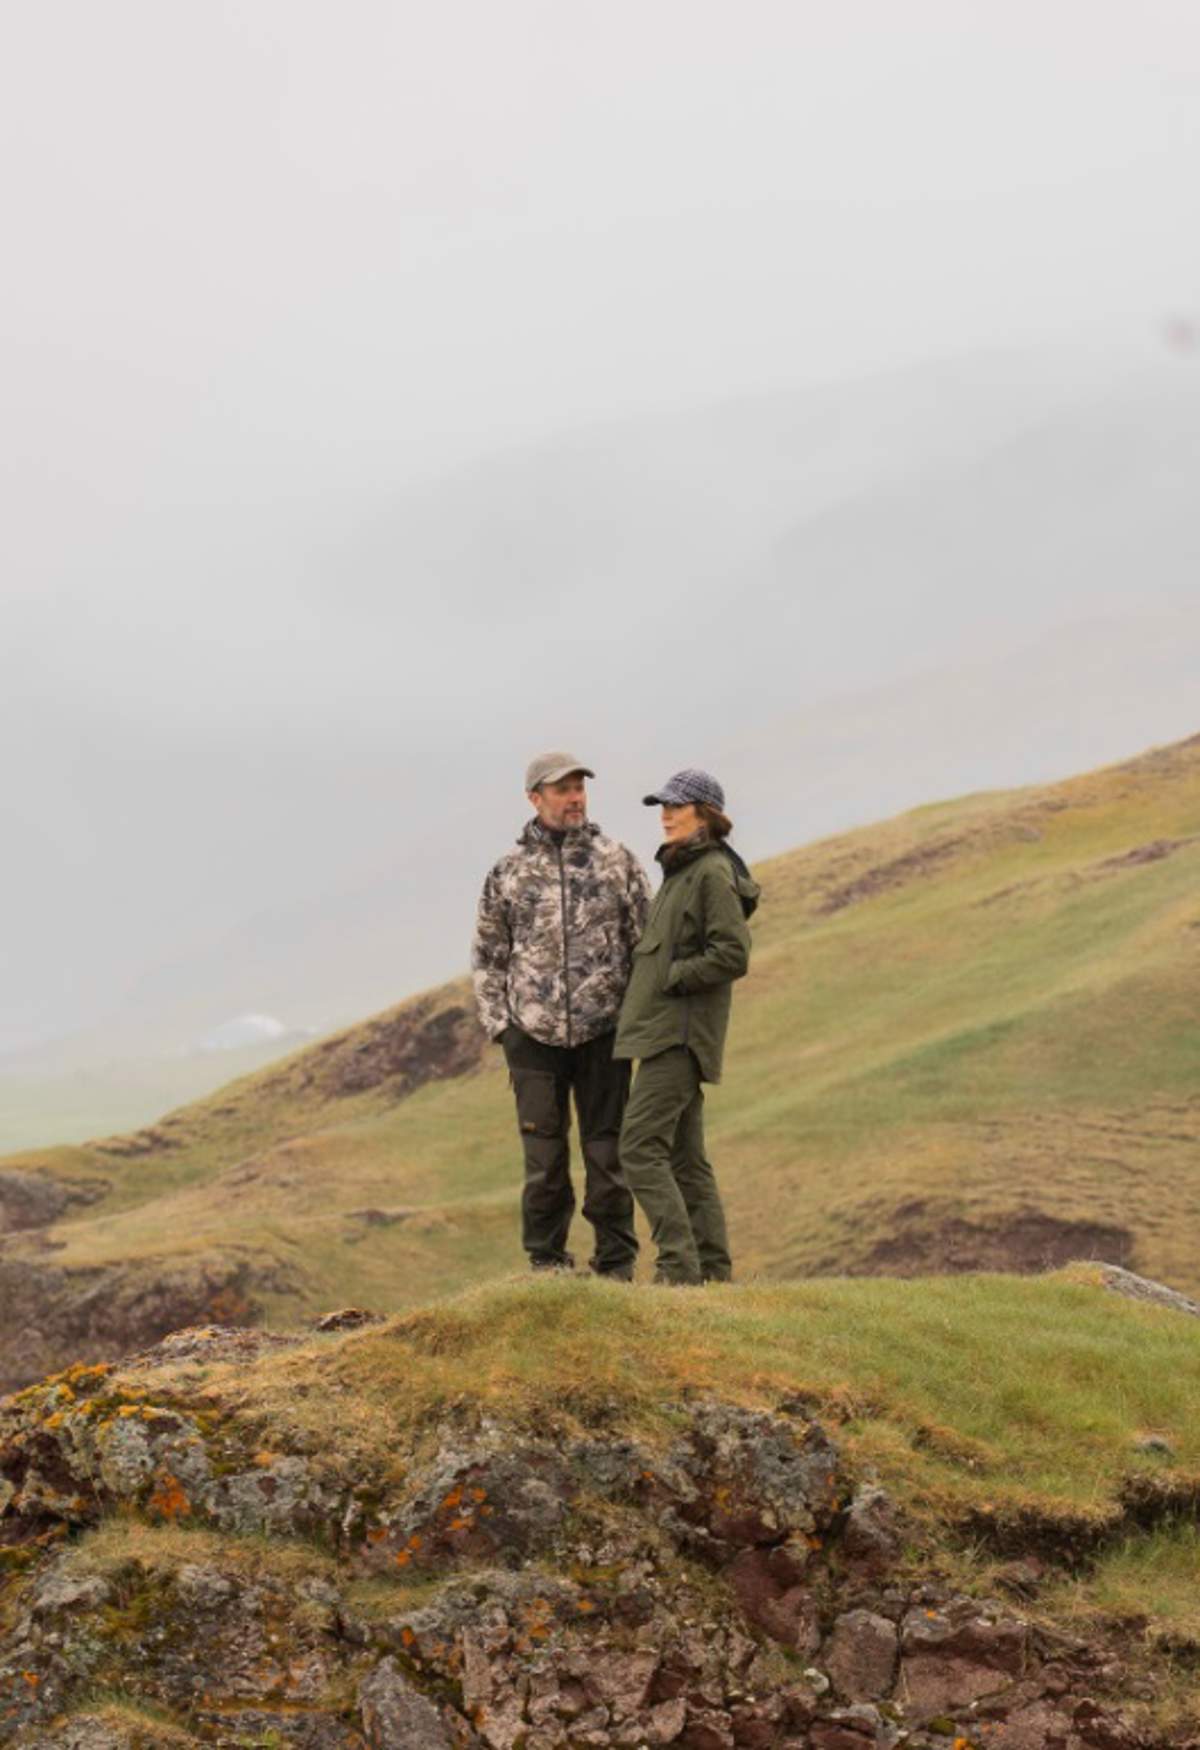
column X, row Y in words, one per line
column 719, row 825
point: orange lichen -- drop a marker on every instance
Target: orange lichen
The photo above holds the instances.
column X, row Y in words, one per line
column 169, row 1499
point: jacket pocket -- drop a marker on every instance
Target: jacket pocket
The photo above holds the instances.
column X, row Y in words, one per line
column 652, row 965
column 541, row 1106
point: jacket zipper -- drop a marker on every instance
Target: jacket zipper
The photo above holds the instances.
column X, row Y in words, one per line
column 562, row 889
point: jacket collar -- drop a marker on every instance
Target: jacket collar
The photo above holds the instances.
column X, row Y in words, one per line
column 677, row 856
column 533, row 834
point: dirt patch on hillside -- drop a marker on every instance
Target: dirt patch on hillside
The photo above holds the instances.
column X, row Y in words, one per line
column 925, row 860
column 897, row 872
column 1154, row 852
column 1026, row 1243
column 400, row 1051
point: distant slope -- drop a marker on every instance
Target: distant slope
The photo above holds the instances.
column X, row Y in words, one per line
column 969, row 1040
column 43, row 1101
column 849, row 559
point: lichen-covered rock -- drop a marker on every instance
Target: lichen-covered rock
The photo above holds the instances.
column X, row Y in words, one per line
column 76, row 1446
column 871, row 1537
column 482, row 1501
column 705, row 1586
column 173, row 1634
column 959, row 1655
column 396, row 1716
column 752, row 1479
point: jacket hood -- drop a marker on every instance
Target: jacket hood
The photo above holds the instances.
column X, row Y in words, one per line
column 748, row 890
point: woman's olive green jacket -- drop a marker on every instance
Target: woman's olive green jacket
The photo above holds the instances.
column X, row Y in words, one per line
column 693, row 947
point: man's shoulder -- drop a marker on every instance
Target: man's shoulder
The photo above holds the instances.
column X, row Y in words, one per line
column 510, row 860
column 613, row 851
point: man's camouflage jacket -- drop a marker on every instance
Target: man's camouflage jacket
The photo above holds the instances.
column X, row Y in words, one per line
column 558, row 920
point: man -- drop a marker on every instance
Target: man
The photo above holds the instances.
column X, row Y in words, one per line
column 558, row 919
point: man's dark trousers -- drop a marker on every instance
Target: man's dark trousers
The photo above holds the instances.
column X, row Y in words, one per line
column 543, row 1079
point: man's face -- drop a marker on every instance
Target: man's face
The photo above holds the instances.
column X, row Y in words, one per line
column 561, row 805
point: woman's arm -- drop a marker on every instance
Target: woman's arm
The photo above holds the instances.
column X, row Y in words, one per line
column 726, row 952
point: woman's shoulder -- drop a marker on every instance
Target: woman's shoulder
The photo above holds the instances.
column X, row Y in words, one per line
column 715, row 865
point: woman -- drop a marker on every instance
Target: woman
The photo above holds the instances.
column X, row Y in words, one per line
column 674, row 1018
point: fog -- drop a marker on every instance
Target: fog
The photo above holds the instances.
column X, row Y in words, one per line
column 393, row 391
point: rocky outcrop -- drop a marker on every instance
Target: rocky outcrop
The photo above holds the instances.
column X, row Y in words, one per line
column 1122, row 1281
column 35, row 1200
column 48, row 1311
column 425, row 1041
column 717, row 1583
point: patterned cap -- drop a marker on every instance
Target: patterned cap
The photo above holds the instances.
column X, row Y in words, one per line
column 690, row 785
column 548, row 768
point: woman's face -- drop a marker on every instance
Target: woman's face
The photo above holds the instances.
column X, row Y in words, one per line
column 680, row 821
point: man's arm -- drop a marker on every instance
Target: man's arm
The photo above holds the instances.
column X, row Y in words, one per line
column 491, row 951
column 726, row 952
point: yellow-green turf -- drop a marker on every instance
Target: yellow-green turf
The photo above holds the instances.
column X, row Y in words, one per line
column 983, row 1015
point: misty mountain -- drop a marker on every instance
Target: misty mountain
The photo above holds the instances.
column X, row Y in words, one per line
column 844, row 598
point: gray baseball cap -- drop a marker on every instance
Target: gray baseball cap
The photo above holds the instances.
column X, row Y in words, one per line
column 548, row 768
column 690, row 785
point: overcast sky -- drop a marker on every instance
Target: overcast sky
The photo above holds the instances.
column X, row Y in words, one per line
column 275, row 270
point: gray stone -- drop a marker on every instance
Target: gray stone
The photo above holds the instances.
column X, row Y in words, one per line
column 395, row 1716
column 871, row 1539
column 1142, row 1288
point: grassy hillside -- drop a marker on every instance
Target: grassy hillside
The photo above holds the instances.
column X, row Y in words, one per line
column 969, row 1040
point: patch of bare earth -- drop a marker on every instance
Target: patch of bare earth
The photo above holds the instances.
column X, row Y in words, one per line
column 1025, row 1242
column 400, row 1051
column 922, row 861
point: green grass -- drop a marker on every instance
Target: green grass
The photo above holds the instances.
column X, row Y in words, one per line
column 1010, row 1027
column 991, row 1392
column 1148, row 1582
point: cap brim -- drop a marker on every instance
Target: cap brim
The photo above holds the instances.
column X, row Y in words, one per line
column 561, row 772
column 657, row 801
